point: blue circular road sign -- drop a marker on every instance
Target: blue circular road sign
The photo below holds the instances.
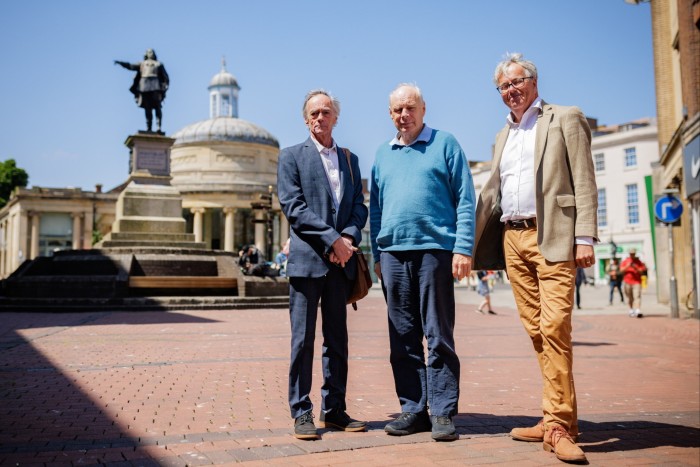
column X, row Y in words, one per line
column 668, row 209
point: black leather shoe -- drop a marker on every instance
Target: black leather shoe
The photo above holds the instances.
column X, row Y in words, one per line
column 408, row 423
column 304, row 427
column 443, row 428
column 339, row 420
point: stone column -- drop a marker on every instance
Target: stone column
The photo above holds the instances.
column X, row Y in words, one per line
column 34, row 235
column 260, row 228
column 228, row 228
column 87, row 229
column 3, row 248
column 197, row 227
column 7, row 256
column 77, row 230
column 19, row 239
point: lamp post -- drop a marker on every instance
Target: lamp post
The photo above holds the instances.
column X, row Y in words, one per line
column 265, row 204
column 613, row 248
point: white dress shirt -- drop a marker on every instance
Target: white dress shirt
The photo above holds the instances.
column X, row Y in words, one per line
column 517, row 169
column 329, row 158
column 518, row 166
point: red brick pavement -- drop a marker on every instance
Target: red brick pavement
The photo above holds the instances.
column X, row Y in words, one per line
column 209, row 387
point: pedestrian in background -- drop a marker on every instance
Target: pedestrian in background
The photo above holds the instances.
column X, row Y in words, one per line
column 615, row 279
column 632, row 270
column 580, row 280
column 484, row 290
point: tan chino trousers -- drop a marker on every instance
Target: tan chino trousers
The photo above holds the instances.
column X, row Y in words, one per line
column 544, row 295
column 633, row 293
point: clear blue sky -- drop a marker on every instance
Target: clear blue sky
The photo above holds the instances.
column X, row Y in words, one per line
column 65, row 108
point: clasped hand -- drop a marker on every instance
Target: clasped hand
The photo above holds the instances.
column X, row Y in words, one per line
column 342, row 251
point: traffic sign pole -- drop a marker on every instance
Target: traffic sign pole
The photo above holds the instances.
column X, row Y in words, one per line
column 668, row 209
column 673, row 292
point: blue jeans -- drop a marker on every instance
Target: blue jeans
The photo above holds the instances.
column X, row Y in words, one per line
column 419, row 289
column 616, row 284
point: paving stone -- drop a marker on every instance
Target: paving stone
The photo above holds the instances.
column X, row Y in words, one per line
column 209, row 387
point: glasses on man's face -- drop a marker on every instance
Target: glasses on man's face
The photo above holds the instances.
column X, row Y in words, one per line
column 517, row 83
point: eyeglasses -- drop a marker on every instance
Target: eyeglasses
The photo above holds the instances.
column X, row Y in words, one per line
column 517, row 83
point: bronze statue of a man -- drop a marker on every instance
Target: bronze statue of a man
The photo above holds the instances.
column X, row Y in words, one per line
column 149, row 87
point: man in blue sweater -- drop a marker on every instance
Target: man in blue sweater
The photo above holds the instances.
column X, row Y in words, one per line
column 422, row 232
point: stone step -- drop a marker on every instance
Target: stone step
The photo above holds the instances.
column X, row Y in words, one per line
column 171, row 303
column 149, row 236
column 155, row 244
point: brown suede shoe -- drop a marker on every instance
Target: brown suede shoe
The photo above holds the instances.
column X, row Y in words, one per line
column 532, row 434
column 558, row 441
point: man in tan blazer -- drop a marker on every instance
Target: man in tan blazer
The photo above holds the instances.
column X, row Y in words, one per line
column 537, row 218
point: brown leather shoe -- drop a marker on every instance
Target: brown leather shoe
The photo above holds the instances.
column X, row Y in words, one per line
column 532, row 434
column 558, row 441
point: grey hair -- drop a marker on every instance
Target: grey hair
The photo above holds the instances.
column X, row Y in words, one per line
column 413, row 86
column 515, row 59
column 322, row 92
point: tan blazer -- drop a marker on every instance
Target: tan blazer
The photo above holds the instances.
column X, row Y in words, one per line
column 565, row 188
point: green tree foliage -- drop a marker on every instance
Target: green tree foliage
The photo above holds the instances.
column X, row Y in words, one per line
column 11, row 177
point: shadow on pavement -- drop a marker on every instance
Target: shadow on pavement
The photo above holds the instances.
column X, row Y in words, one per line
column 634, row 435
column 595, row 436
column 591, row 344
column 45, row 414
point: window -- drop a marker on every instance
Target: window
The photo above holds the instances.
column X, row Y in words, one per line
column 55, row 232
column 602, row 208
column 599, row 160
column 632, row 204
column 630, row 157
column 225, row 106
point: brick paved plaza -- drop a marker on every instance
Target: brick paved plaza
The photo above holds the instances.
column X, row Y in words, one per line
column 209, row 387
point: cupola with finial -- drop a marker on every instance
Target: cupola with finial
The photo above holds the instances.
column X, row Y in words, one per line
column 223, row 94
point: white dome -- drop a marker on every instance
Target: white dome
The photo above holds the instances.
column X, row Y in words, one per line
column 224, row 78
column 225, row 129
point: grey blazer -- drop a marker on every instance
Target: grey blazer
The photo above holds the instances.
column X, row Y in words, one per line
column 306, row 199
column 565, row 190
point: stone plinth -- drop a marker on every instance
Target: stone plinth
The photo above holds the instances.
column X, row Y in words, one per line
column 149, row 158
column 149, row 209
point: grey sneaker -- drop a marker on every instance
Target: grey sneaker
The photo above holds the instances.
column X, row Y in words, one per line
column 443, row 428
column 408, row 423
column 304, row 427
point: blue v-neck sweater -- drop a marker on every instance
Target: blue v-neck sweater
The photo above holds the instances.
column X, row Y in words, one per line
column 422, row 197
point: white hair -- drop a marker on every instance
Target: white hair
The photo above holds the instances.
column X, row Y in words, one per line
column 315, row 92
column 515, row 59
column 413, row 86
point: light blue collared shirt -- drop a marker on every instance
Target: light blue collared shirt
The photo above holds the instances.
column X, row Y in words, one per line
column 424, row 136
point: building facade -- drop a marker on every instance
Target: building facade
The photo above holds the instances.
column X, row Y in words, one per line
column 623, row 157
column 676, row 44
column 38, row 221
column 221, row 166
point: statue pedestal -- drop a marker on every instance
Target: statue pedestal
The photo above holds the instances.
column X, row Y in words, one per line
column 149, row 158
column 149, row 209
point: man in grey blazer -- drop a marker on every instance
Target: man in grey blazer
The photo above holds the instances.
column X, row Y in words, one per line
column 320, row 191
column 537, row 218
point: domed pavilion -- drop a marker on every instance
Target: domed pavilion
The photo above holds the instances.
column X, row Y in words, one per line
column 220, row 166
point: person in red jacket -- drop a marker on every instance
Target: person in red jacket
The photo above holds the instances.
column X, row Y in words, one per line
column 632, row 270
